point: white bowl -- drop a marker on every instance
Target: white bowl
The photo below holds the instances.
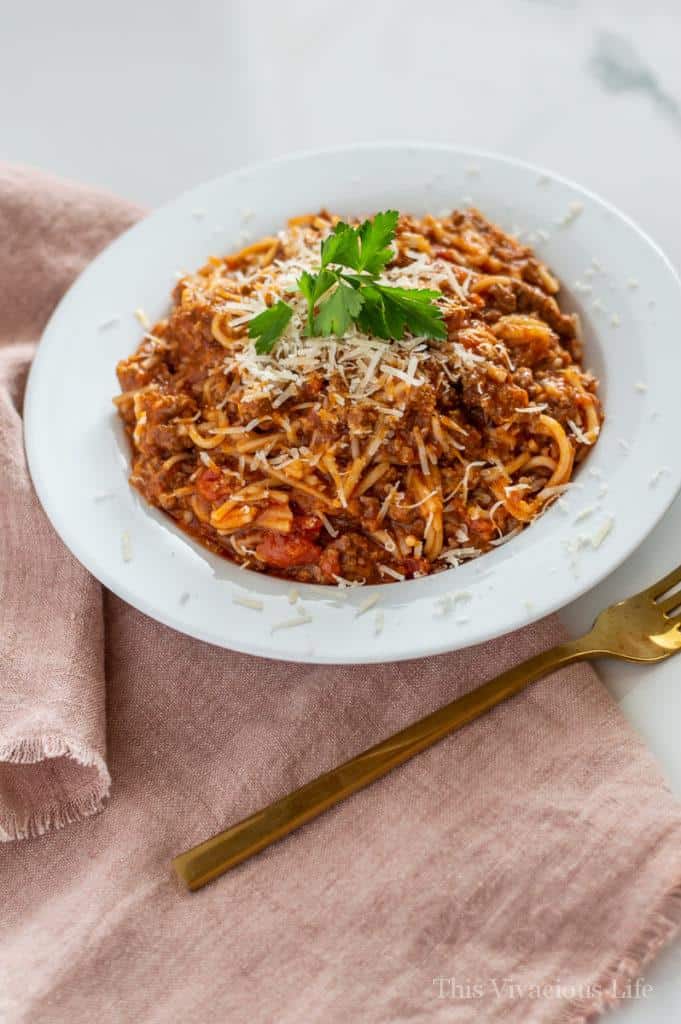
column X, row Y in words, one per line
column 631, row 317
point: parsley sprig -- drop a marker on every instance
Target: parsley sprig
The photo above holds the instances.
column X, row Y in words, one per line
column 346, row 290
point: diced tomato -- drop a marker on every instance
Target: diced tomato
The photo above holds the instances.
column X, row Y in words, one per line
column 286, row 550
column 211, row 485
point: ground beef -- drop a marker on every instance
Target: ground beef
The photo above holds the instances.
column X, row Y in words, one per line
column 350, row 556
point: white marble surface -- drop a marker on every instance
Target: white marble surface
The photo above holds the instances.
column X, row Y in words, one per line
column 150, row 99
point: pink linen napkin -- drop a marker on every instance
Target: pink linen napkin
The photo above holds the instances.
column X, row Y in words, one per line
column 524, row 870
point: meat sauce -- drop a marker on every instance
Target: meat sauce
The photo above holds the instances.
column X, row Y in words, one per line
column 355, row 460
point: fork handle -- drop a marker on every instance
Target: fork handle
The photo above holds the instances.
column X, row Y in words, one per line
column 212, row 858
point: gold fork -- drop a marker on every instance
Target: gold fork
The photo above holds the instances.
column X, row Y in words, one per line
column 642, row 628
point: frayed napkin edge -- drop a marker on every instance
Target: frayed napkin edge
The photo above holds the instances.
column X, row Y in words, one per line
column 659, row 928
column 56, row 815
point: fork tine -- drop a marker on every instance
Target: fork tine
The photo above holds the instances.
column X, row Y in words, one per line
column 659, row 588
column 670, row 603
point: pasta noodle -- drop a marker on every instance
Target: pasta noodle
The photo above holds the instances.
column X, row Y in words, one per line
column 355, row 459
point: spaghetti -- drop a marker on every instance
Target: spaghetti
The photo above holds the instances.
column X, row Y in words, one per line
column 335, row 460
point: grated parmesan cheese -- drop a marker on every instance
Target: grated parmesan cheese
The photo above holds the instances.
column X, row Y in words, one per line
column 383, row 511
column 573, row 211
column 449, row 601
column 602, row 532
column 579, row 433
column 498, row 541
column 657, row 475
column 287, row 393
column 464, row 480
column 302, row 619
column 533, row 408
column 348, row 584
column 393, row 371
column 366, row 605
column 387, row 571
column 248, row 602
column 330, row 529
column 584, row 514
column 417, row 504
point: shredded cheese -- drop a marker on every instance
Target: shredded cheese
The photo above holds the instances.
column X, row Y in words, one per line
column 248, row 602
column 448, row 602
column 330, row 529
column 364, row 607
column 579, row 433
column 417, row 504
column 387, row 571
column 533, row 408
column 573, row 211
column 302, row 619
column 657, row 475
column 602, row 532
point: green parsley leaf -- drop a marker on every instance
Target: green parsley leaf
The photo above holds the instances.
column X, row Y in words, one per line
column 313, row 286
column 386, row 312
column 338, row 311
column 336, row 299
column 269, row 326
column 375, row 237
column 366, row 248
column 342, row 246
column 371, row 317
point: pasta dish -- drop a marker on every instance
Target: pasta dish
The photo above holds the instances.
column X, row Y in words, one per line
column 349, row 458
